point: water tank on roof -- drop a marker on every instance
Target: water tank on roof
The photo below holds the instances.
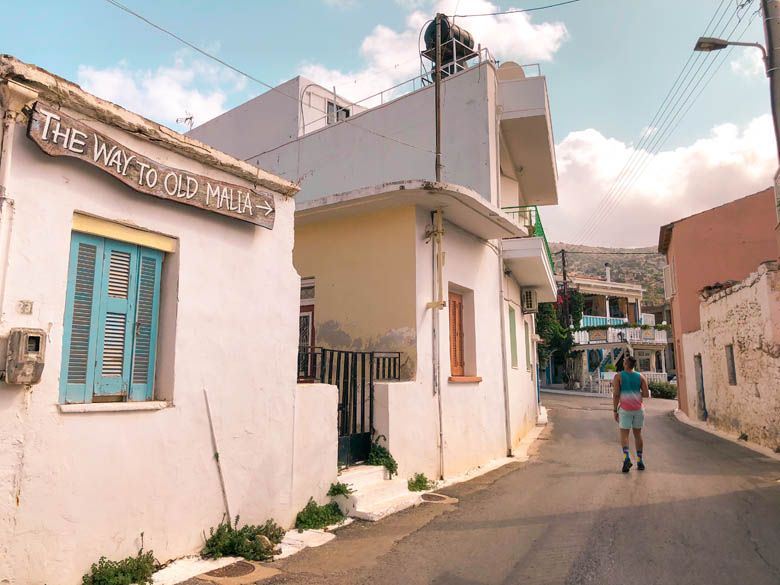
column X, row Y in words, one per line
column 457, row 46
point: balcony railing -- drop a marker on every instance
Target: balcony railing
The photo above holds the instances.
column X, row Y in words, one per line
column 528, row 215
column 620, row 335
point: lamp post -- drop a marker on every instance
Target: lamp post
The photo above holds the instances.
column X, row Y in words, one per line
column 709, row 44
column 770, row 11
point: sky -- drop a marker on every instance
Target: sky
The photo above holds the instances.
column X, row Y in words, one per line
column 609, row 66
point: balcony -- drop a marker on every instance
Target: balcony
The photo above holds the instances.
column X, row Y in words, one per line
column 528, row 258
column 632, row 335
column 528, row 216
column 526, row 132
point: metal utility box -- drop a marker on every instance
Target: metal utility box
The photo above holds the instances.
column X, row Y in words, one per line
column 25, row 356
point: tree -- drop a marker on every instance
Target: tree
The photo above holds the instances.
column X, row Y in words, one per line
column 557, row 341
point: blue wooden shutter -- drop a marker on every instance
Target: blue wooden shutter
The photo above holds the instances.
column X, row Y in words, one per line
column 81, row 312
column 117, row 318
column 147, row 311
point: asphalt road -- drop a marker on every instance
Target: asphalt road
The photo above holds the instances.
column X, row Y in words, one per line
column 705, row 511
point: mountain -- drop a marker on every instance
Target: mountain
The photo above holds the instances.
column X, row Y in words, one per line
column 635, row 265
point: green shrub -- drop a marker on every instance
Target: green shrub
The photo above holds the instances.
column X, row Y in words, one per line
column 420, row 483
column 662, row 390
column 379, row 455
column 610, row 368
column 232, row 541
column 137, row 569
column 339, row 489
column 743, row 437
column 314, row 516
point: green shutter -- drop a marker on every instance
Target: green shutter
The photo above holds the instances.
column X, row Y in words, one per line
column 527, row 346
column 147, row 311
column 81, row 310
column 513, row 336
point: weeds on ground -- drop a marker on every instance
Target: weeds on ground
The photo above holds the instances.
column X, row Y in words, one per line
column 420, row 483
column 743, row 437
column 778, row 449
column 339, row 489
column 379, row 455
column 247, row 541
column 137, row 569
column 313, row 516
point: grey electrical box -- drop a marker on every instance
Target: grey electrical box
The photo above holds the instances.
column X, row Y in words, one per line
column 25, row 356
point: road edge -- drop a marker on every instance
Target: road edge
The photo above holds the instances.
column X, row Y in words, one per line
column 733, row 437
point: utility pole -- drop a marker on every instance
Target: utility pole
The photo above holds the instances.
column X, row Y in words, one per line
column 565, row 290
column 770, row 10
column 437, row 85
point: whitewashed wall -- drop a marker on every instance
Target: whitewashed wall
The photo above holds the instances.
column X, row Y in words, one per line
column 353, row 155
column 74, row 487
column 746, row 316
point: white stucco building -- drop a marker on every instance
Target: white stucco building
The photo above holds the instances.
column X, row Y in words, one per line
column 397, row 262
column 147, row 271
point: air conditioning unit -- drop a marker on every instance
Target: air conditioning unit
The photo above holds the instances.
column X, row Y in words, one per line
column 528, row 301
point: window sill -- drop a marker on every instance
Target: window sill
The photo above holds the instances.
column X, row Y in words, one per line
column 465, row 379
column 113, row 406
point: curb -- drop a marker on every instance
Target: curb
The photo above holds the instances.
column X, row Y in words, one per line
column 732, row 437
column 574, row 393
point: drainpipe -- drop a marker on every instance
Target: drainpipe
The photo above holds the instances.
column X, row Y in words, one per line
column 504, row 367
column 437, row 305
column 13, row 98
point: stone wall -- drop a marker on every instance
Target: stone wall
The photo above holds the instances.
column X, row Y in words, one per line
column 747, row 317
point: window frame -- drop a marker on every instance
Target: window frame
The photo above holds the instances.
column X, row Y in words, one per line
column 731, row 364
column 136, row 318
column 513, row 337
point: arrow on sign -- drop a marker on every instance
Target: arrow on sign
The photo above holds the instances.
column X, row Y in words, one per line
column 268, row 208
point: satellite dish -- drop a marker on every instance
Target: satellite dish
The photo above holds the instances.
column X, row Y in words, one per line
column 510, row 71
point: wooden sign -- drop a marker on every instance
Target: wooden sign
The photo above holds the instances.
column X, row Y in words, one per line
column 60, row 135
column 597, row 335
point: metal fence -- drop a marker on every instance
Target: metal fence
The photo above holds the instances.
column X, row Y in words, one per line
column 354, row 373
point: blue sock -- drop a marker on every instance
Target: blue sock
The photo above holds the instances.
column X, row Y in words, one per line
column 639, row 456
column 625, row 452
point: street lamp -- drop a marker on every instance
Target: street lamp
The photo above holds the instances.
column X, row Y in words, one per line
column 707, row 44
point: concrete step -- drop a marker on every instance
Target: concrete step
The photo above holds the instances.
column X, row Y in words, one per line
column 380, row 492
column 363, row 476
column 377, row 510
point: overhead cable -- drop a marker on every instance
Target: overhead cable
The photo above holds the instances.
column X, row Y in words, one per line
column 247, row 75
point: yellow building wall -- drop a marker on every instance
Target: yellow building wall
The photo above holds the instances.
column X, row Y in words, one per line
column 364, row 282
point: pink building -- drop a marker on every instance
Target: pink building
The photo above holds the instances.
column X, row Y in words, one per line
column 723, row 244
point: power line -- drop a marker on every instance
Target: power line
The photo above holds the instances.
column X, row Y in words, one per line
column 637, row 152
column 665, row 133
column 516, row 11
column 640, row 158
column 245, row 74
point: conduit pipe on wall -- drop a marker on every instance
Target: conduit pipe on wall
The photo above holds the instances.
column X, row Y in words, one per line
column 437, row 305
column 13, row 97
column 504, row 370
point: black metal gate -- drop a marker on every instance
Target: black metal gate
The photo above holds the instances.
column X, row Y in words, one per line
column 354, row 373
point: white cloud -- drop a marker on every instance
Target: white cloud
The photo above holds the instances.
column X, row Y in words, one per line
column 750, row 63
column 728, row 164
column 166, row 93
column 392, row 56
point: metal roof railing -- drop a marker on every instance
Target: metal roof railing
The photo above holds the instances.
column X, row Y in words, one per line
column 528, row 215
